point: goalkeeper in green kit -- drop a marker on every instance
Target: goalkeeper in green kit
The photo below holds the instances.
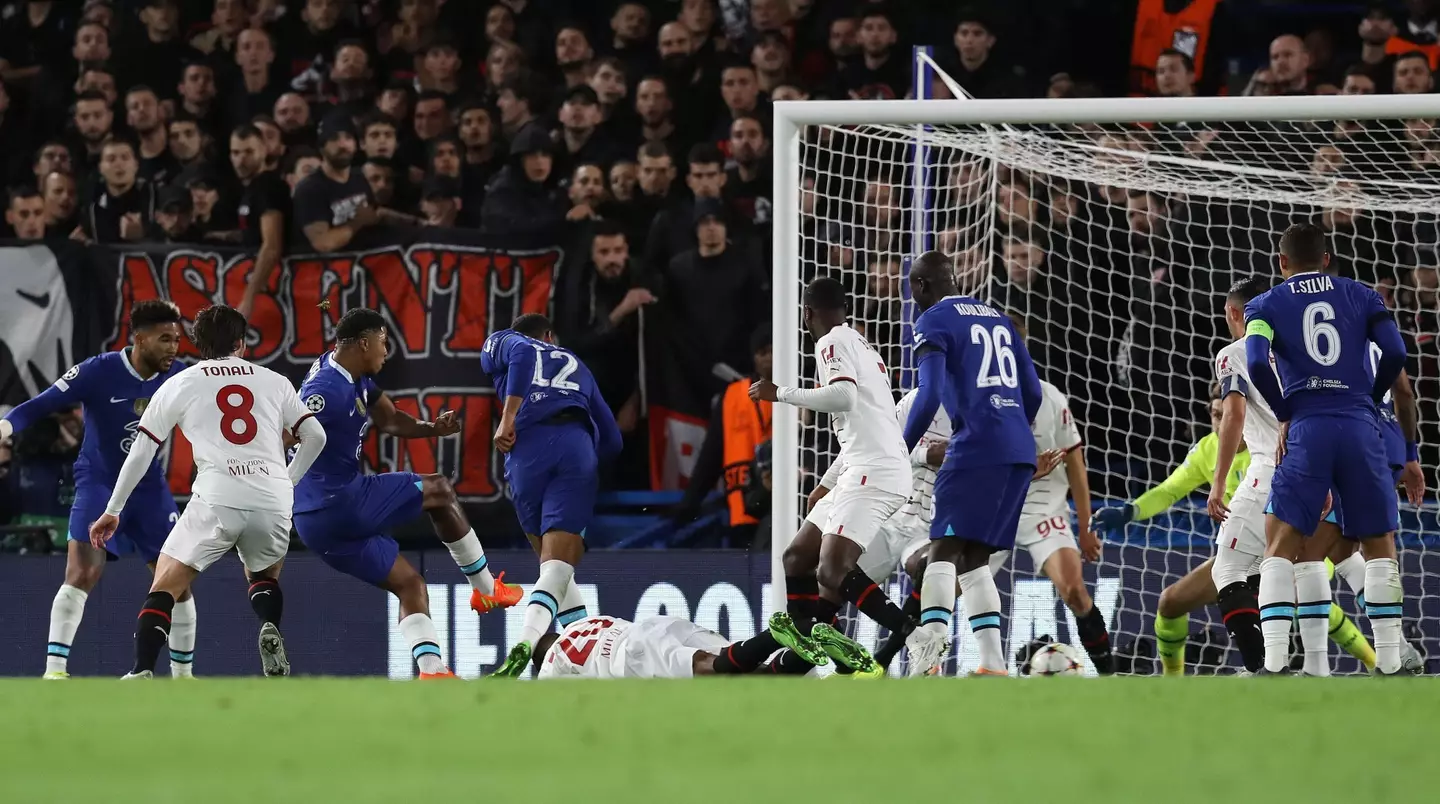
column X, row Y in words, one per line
column 1197, row 589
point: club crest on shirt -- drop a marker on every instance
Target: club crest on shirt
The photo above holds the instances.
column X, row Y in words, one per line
column 140, row 405
column 360, row 406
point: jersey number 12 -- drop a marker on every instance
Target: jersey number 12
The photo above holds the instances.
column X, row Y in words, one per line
column 996, row 343
column 560, row 381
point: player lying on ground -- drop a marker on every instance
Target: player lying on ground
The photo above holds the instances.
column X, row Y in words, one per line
column 235, row 415
column 343, row 515
column 556, row 431
column 1319, row 329
column 662, row 647
column 1044, row 525
column 971, row 360
column 113, row 389
column 1196, row 589
column 822, row 574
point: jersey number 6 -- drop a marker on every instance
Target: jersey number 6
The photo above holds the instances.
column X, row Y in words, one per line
column 237, row 418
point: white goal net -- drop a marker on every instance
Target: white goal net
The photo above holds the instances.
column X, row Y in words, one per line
column 1116, row 238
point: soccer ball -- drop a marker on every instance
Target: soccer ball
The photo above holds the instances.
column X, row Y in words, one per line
column 1055, row 659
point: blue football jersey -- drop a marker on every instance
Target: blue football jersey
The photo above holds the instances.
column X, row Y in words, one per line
column 548, row 378
column 341, row 404
column 1319, row 329
column 989, row 387
column 1390, row 430
column 112, row 395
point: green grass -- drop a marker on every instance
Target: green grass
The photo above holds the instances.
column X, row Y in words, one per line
column 719, row 740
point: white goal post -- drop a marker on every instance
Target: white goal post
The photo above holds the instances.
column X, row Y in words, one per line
column 1114, row 227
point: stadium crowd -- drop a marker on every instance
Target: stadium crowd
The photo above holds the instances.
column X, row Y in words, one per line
column 638, row 133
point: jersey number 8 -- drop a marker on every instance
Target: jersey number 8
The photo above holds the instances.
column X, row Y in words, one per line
column 996, row 343
column 1319, row 332
column 237, row 419
column 559, row 381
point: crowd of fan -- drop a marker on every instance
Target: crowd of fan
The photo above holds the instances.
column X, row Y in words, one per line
column 641, row 129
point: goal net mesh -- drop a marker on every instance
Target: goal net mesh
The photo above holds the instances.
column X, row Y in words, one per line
column 1117, row 245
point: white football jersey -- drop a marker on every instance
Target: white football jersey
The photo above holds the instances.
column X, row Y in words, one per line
column 234, row 414
column 922, row 492
column 1262, row 430
column 588, row 648
column 872, row 444
column 1054, row 428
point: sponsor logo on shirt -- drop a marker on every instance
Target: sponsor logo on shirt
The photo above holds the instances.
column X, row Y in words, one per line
column 998, row 401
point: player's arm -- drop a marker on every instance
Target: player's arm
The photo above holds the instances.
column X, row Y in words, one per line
column 390, row 420
column 1408, row 412
column 155, row 426
column 1188, row 476
column 1258, row 335
column 1032, row 395
column 608, row 437
column 1233, row 392
column 518, row 360
column 930, row 371
column 827, row 482
column 301, row 424
column 837, row 392
column 1385, row 334
column 1079, row 476
column 272, row 237
column 67, row 392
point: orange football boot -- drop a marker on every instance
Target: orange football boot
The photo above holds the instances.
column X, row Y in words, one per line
column 504, row 596
column 432, row 676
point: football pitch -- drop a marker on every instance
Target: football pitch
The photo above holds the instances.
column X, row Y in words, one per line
column 718, row 740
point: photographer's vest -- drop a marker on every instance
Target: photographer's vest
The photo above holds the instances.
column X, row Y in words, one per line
column 1397, row 45
column 747, row 425
column 1156, row 30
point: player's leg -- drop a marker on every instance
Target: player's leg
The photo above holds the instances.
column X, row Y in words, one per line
column 854, row 525
column 152, row 627
column 1239, row 609
column 182, row 633
column 572, row 603
column 408, row 586
column 146, row 525
column 1056, row 553
column 1349, row 564
column 1172, row 616
column 263, row 540
column 1314, row 605
column 747, row 655
column 1297, row 499
column 83, row 567
column 800, row 562
column 1371, row 515
column 914, row 567
column 453, row 527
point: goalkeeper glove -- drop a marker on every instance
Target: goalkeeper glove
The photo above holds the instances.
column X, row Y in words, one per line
column 1112, row 518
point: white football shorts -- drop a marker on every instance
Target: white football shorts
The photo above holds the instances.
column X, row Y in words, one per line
column 204, row 533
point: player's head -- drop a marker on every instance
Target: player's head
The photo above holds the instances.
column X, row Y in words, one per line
column 542, row 648
column 1019, row 322
column 1240, row 295
column 534, row 325
column 155, row 331
column 1302, row 249
column 825, row 305
column 219, row 332
column 360, row 340
column 932, row 278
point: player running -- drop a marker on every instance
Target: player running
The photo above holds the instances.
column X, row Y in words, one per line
column 873, row 477
column 555, row 430
column 971, row 360
column 1320, row 328
column 113, row 389
column 235, row 415
column 344, row 515
column 662, row 647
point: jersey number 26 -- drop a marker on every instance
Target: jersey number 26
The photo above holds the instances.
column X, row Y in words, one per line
column 996, row 343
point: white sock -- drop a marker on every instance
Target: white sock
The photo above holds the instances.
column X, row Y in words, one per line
column 937, row 596
column 470, row 557
column 419, row 631
column 982, row 607
column 545, row 597
column 1383, row 594
column 1352, row 570
column 65, row 614
column 1277, row 610
column 572, row 605
column 182, row 638
column 1312, row 593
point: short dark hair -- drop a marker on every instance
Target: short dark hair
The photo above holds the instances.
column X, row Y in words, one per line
column 356, row 323
column 246, row 131
column 116, row 140
column 382, row 162
column 749, row 116
column 1413, row 54
column 705, row 153
column 1248, row 288
column 1360, row 69
column 91, row 95
column 1184, row 57
column 182, row 116
column 876, row 10
column 531, row 325
column 138, row 88
column 655, row 149
column 219, row 331
column 606, row 227
column 737, row 63
column 375, row 117
column 1303, row 244
column 152, row 312
column 826, row 293
column 433, row 94
column 20, row 193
